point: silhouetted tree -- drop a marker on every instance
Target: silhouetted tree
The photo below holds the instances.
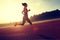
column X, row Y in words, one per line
column 47, row 15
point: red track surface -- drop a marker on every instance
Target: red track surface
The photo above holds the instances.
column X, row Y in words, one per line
column 39, row 31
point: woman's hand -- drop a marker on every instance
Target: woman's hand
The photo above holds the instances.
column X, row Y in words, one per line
column 29, row 10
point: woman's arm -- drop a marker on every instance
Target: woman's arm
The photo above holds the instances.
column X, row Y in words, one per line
column 22, row 12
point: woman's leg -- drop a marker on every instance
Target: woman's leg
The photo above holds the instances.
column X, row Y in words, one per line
column 28, row 20
column 23, row 21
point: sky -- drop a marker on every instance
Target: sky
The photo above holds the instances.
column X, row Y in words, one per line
column 10, row 10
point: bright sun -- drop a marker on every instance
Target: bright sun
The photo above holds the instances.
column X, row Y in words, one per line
column 10, row 11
